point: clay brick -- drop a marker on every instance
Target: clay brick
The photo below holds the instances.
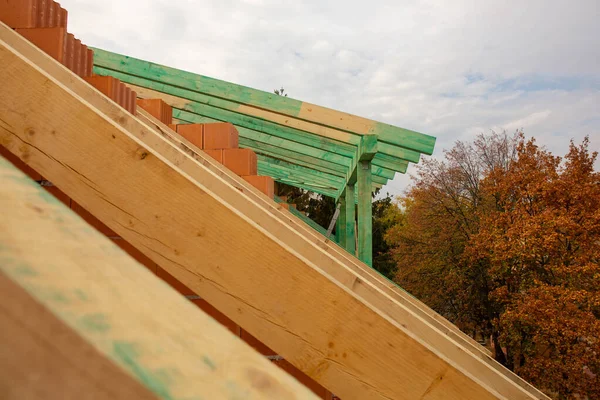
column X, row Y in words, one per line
column 158, row 109
column 192, row 132
column 127, row 100
column 216, row 154
column 90, row 62
column 77, row 58
column 173, row 127
column 304, row 379
column 220, row 136
column 69, row 60
column 241, row 161
column 136, row 254
column 256, row 344
column 263, row 183
column 174, row 282
column 62, row 18
column 42, row 11
column 287, row 206
column 49, row 40
column 132, row 102
column 104, row 84
column 59, row 194
column 217, row 315
column 19, row 13
column 90, row 219
column 84, row 60
column 16, row 161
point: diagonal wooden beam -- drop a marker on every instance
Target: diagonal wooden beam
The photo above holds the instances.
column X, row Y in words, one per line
column 80, row 318
column 459, row 387
column 256, row 100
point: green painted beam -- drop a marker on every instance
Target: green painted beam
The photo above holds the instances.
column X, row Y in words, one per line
column 268, row 169
column 275, row 140
column 300, row 171
column 265, row 100
column 225, row 110
column 365, row 217
column 350, row 220
column 391, row 163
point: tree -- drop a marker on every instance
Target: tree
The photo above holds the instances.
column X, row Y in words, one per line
column 503, row 238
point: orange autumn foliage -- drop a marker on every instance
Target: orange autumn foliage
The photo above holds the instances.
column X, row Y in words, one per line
column 512, row 250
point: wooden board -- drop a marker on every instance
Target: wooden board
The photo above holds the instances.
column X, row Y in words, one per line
column 182, row 162
column 82, row 319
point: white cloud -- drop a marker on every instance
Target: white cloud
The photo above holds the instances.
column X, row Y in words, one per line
column 450, row 69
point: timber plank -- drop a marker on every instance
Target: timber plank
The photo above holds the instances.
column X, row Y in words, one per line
column 127, row 122
column 82, row 319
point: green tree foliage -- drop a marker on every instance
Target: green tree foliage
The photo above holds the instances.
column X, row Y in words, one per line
column 503, row 238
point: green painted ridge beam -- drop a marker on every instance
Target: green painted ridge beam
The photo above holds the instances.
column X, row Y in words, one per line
column 207, row 107
column 299, row 170
column 257, row 98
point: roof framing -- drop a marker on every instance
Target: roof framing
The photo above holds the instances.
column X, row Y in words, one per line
column 125, row 173
column 308, row 135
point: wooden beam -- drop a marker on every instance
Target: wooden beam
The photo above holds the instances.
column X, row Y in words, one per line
column 341, row 222
column 257, row 102
column 80, row 318
column 365, row 216
column 350, row 220
column 392, row 302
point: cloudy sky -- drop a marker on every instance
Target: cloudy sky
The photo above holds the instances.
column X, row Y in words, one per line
column 451, row 69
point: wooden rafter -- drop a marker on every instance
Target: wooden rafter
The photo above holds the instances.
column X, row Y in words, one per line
column 80, row 318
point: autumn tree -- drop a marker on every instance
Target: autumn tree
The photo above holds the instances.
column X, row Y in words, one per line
column 503, row 238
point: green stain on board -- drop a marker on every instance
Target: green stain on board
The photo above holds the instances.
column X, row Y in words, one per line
column 209, row 362
column 156, row 381
column 95, row 323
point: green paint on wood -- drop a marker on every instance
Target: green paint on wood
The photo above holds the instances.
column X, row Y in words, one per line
column 156, row 381
column 209, row 363
column 245, row 95
column 95, row 323
column 199, row 83
column 350, row 220
column 365, row 219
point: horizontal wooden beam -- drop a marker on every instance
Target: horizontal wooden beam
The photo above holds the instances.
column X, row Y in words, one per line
column 377, row 375
column 67, row 333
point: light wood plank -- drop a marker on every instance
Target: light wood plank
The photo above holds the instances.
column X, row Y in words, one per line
column 82, row 319
column 181, row 164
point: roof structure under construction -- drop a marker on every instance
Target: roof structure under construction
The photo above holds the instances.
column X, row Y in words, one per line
column 143, row 253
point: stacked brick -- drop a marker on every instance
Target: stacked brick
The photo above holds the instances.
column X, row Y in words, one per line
column 44, row 23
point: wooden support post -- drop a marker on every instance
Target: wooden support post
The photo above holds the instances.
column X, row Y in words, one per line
column 341, row 222
column 350, row 220
column 365, row 218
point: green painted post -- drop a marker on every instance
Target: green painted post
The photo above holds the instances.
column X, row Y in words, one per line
column 365, row 217
column 341, row 222
column 350, row 220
